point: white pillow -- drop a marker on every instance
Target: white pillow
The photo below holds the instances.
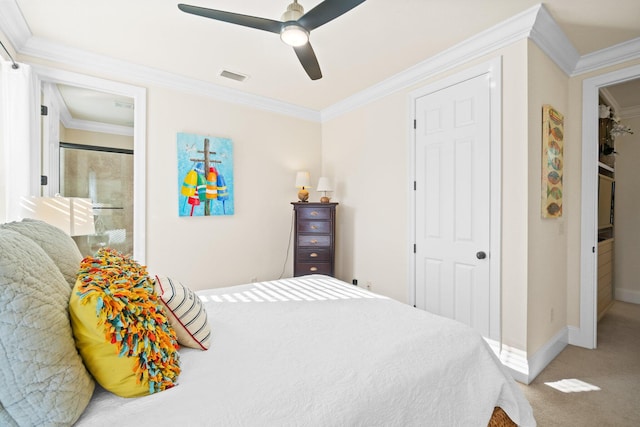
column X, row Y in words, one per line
column 185, row 312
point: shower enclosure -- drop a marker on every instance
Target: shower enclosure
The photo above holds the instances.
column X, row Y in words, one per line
column 105, row 175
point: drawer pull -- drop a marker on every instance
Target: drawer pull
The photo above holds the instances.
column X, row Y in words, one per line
column 313, row 255
column 314, row 227
column 313, row 242
column 313, row 269
column 314, row 213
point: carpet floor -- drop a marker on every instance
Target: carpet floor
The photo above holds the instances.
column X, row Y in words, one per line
column 614, row 367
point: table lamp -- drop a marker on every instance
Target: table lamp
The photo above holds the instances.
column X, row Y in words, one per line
column 302, row 182
column 324, row 186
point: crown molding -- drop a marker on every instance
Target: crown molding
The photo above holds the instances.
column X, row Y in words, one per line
column 626, row 51
column 535, row 23
column 40, row 48
column 623, row 113
column 501, row 35
column 91, row 126
column 69, row 122
column 629, row 112
column 58, row 102
column 605, row 93
column 553, row 42
column 13, row 25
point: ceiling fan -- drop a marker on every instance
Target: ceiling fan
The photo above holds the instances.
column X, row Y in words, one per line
column 294, row 27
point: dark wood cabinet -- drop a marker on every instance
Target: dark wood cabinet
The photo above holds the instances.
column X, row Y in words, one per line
column 314, row 241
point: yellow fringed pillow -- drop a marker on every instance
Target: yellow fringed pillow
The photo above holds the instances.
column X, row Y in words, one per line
column 120, row 327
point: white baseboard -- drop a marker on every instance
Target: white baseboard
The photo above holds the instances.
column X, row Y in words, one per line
column 515, row 360
column 525, row 369
column 627, row 295
column 547, row 353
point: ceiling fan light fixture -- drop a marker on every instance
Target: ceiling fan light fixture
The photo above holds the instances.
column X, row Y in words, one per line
column 294, row 25
column 293, row 13
column 294, row 34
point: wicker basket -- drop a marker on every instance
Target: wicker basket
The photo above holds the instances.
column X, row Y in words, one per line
column 500, row 419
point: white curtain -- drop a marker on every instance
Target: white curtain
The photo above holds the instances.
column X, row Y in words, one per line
column 19, row 133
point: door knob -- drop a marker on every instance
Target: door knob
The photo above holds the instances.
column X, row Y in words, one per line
column 481, row 255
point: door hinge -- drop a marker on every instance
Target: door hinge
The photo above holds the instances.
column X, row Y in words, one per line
column 415, row 186
column 415, row 126
column 44, row 180
column 414, row 248
column 593, row 249
column 44, row 110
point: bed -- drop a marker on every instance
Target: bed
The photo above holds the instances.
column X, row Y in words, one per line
column 311, row 350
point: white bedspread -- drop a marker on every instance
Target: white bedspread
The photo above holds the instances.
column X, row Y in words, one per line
column 314, row 351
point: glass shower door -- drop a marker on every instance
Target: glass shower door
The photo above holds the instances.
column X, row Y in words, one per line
column 105, row 176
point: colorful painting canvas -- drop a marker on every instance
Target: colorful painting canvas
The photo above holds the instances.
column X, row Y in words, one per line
column 205, row 175
column 552, row 159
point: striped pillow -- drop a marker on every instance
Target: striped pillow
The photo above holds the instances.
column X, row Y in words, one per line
column 186, row 313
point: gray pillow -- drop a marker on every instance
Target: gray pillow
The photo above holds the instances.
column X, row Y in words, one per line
column 56, row 243
column 5, row 419
column 42, row 378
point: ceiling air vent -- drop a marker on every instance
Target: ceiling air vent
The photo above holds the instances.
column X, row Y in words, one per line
column 233, row 76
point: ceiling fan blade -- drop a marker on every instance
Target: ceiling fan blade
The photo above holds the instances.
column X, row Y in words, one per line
column 309, row 61
column 234, row 18
column 327, row 11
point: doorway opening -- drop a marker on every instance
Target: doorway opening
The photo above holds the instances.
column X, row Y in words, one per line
column 51, row 143
column 586, row 334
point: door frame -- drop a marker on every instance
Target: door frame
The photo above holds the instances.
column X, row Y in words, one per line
column 492, row 69
column 586, row 334
column 139, row 96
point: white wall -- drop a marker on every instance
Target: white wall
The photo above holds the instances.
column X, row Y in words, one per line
column 547, row 237
column 76, row 136
column 367, row 153
column 627, row 215
column 268, row 149
column 514, row 195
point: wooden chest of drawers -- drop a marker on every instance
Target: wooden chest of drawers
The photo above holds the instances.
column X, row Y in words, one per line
column 314, row 241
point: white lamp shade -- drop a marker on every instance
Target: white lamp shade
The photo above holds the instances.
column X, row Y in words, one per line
column 73, row 215
column 302, row 180
column 324, row 184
